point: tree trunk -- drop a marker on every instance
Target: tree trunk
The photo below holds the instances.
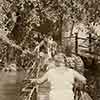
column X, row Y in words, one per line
column 60, row 30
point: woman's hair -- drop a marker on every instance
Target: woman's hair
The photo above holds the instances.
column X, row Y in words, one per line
column 69, row 48
column 60, row 58
column 59, row 49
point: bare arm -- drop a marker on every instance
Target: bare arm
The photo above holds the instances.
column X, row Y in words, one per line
column 40, row 80
column 79, row 77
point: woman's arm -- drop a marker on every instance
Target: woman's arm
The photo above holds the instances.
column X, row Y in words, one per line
column 79, row 77
column 40, row 80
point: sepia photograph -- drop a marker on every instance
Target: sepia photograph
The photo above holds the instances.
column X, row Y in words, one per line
column 49, row 49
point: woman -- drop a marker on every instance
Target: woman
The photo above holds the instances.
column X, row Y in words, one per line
column 61, row 79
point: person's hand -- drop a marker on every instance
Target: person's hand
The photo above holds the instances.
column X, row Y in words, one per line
column 36, row 49
column 33, row 80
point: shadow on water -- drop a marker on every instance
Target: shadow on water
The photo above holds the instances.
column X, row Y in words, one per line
column 10, row 85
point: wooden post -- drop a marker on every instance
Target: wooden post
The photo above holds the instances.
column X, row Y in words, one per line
column 90, row 49
column 11, row 53
column 76, row 43
column 71, row 29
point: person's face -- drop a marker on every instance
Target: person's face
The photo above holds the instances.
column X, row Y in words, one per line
column 50, row 38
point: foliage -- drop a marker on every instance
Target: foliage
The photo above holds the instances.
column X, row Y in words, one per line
column 23, row 24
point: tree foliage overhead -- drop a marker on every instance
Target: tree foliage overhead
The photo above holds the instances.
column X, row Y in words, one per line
column 23, row 16
column 26, row 21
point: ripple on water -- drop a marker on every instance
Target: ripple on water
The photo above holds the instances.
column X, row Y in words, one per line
column 10, row 83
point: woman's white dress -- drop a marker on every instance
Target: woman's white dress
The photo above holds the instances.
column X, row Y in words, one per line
column 61, row 84
column 61, row 80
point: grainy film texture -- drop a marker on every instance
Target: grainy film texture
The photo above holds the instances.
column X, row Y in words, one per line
column 49, row 49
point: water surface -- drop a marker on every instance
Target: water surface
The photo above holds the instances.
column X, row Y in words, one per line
column 10, row 85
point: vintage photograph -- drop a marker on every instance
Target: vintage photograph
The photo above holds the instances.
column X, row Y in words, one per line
column 49, row 49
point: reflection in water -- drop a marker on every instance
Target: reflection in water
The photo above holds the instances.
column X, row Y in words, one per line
column 10, row 84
